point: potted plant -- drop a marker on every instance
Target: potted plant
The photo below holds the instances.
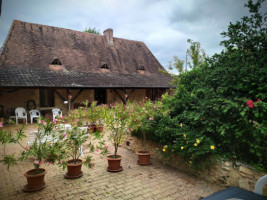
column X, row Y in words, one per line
column 116, row 119
column 141, row 118
column 94, row 117
column 98, row 116
column 45, row 149
column 75, row 141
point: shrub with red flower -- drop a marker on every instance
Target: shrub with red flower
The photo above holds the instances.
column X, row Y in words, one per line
column 250, row 104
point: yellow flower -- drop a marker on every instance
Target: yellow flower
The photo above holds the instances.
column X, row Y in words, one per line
column 181, row 124
column 190, row 162
column 182, row 147
column 212, row 147
column 184, row 135
column 191, row 94
column 163, row 149
column 195, row 144
column 198, row 141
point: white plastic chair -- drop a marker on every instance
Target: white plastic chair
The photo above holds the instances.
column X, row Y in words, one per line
column 82, row 129
column 66, row 127
column 34, row 114
column 32, row 138
column 11, row 113
column 260, row 184
column 56, row 112
column 20, row 114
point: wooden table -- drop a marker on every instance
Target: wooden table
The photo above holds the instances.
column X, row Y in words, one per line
column 47, row 112
column 235, row 193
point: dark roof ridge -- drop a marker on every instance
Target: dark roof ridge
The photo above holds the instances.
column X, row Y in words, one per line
column 25, row 77
column 78, row 72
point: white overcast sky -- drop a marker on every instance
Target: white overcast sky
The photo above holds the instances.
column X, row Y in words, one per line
column 164, row 25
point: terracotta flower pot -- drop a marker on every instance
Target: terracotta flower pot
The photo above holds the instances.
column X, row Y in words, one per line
column 91, row 128
column 143, row 157
column 99, row 128
column 74, row 169
column 35, row 180
column 114, row 164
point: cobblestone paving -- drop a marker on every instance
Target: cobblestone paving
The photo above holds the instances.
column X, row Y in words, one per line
column 156, row 181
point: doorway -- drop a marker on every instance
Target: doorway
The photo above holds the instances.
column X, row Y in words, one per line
column 100, row 96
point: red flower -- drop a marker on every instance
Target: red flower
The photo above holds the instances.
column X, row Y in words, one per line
column 250, row 104
column 258, row 100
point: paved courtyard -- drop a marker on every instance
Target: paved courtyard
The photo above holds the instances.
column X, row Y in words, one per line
column 156, row 181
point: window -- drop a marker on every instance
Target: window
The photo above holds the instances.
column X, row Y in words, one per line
column 104, row 66
column 155, row 93
column 56, row 61
column 47, row 98
column 141, row 67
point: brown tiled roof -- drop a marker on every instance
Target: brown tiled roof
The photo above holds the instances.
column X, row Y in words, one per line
column 25, row 77
column 33, row 47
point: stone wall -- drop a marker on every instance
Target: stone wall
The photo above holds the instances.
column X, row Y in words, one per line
column 225, row 173
column 13, row 98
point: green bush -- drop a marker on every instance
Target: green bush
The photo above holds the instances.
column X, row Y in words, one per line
column 220, row 107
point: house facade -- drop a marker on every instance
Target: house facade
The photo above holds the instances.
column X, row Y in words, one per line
column 42, row 67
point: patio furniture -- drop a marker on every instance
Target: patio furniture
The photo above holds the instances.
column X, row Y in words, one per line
column 235, row 193
column 260, row 185
column 34, row 114
column 56, row 112
column 66, row 126
column 11, row 113
column 83, row 129
column 20, row 113
column 33, row 137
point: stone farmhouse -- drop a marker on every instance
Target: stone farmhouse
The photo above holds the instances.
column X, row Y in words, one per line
column 44, row 67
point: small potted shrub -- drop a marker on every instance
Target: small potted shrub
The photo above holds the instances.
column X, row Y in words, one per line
column 94, row 117
column 141, row 119
column 99, row 116
column 116, row 119
column 45, row 149
column 74, row 142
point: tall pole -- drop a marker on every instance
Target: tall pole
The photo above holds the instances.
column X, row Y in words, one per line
column 69, row 99
column 186, row 62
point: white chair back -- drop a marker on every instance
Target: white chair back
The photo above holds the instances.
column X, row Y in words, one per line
column 260, row 185
column 34, row 114
column 56, row 112
column 20, row 113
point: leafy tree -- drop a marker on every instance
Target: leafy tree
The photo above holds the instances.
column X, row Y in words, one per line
column 176, row 64
column 196, row 53
column 92, row 30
